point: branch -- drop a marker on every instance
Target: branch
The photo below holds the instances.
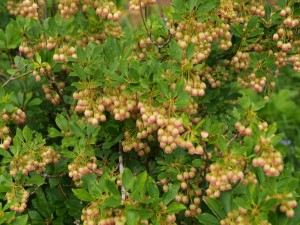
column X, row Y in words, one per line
column 62, row 191
column 54, row 176
column 144, row 22
column 77, row 222
column 35, row 190
column 15, row 78
column 121, row 169
column 149, row 33
column 42, row 10
column 206, row 164
column 232, row 139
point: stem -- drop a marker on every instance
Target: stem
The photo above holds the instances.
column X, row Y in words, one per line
column 62, row 191
column 121, row 169
column 232, row 139
column 42, row 10
column 77, row 222
column 144, row 22
column 54, row 176
column 206, row 164
column 149, row 33
column 15, row 78
column 35, row 190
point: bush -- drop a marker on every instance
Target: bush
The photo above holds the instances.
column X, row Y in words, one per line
column 154, row 118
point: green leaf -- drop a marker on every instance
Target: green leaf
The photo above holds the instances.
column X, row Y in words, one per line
column 163, row 88
column 113, row 201
column 237, row 30
column 206, row 7
column 20, row 220
column 216, row 207
column 38, row 58
column 76, row 130
column 245, row 102
column 132, row 217
column 197, row 162
column 112, row 187
column 258, row 105
column 185, row 120
column 8, row 216
column 34, row 102
column 256, row 32
column 80, row 54
column 207, row 219
column 182, row 100
column 288, row 184
column 227, row 201
column 281, row 3
column 252, row 23
column 82, row 194
column 139, row 184
column 145, row 213
column 222, row 143
column 35, row 217
column 95, row 189
column 5, row 183
column 5, row 153
column 27, row 134
column 242, row 203
column 79, row 72
column 36, row 179
column 175, row 51
column 192, row 4
column 61, row 122
column 269, row 204
column 152, row 189
column 127, row 179
column 190, row 50
column 170, row 194
column 54, row 132
column 7, row 206
column 109, row 144
column 175, row 207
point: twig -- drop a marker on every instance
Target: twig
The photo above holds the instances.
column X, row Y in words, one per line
column 121, row 169
column 144, row 22
column 62, row 191
column 245, row 173
column 42, row 10
column 149, row 33
column 35, row 190
column 232, row 139
column 77, row 222
column 206, row 164
column 45, row 10
column 15, row 78
column 54, row 176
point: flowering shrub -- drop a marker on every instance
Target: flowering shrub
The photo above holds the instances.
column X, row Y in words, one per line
column 107, row 123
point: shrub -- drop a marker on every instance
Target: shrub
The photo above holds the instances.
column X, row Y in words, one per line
column 104, row 122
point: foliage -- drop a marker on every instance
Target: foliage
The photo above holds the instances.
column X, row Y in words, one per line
column 163, row 123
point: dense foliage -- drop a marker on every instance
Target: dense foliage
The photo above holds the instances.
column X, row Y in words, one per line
column 133, row 113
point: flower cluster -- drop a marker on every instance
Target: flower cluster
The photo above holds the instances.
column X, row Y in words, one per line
column 33, row 160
